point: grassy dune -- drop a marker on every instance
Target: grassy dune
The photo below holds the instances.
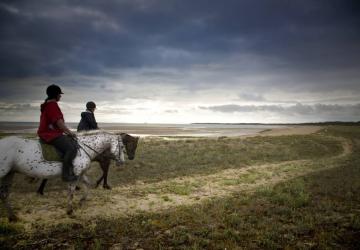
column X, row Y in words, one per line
column 262, row 192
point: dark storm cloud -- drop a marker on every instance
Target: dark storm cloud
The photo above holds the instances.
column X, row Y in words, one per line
column 11, row 108
column 55, row 38
column 17, row 106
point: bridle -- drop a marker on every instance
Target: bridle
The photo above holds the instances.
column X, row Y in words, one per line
column 121, row 146
column 120, row 143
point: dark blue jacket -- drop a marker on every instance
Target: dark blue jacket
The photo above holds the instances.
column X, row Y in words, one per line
column 87, row 121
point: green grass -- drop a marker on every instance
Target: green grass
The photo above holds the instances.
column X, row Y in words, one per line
column 246, row 178
column 166, row 198
column 293, row 194
column 320, row 210
column 160, row 160
column 177, row 188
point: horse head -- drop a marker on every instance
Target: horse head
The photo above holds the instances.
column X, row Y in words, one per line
column 131, row 143
column 117, row 149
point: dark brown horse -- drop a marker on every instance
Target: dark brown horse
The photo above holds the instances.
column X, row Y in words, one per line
column 104, row 159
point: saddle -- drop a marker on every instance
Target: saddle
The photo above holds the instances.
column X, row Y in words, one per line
column 50, row 153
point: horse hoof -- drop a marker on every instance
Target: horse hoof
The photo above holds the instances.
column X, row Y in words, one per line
column 77, row 188
column 107, row 187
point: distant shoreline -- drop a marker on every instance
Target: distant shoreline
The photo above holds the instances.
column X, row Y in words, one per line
column 290, row 124
column 201, row 123
column 181, row 130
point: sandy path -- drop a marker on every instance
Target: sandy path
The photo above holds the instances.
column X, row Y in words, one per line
column 154, row 197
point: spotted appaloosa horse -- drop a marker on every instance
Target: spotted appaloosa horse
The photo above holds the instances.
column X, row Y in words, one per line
column 104, row 159
column 24, row 156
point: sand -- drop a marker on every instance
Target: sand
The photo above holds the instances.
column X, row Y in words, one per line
column 187, row 131
column 169, row 131
column 293, row 130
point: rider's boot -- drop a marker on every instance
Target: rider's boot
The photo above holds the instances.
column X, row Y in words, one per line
column 68, row 174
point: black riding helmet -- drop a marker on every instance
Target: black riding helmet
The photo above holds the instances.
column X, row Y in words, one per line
column 90, row 105
column 53, row 91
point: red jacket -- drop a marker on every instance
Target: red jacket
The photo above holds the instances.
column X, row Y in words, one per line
column 50, row 114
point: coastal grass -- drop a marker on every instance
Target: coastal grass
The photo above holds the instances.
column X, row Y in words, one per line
column 319, row 210
column 158, row 160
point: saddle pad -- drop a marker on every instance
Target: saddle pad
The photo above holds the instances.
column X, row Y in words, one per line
column 50, row 153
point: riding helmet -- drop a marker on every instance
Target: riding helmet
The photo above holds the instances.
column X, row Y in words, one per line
column 53, row 91
column 90, row 105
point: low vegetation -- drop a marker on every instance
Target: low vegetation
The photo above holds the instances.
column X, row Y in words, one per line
column 276, row 192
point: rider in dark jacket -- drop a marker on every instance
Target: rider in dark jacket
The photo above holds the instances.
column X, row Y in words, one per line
column 88, row 121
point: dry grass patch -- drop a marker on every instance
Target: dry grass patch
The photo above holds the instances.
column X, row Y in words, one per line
column 229, row 202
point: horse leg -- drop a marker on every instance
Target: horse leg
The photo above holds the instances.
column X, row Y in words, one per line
column 100, row 179
column 42, row 186
column 71, row 191
column 6, row 182
column 86, row 184
column 105, row 164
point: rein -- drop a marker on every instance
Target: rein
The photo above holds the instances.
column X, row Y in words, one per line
column 97, row 153
column 78, row 143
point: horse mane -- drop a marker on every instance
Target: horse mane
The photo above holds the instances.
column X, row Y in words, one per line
column 94, row 132
column 125, row 137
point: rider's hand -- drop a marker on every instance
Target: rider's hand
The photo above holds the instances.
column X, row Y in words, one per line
column 72, row 134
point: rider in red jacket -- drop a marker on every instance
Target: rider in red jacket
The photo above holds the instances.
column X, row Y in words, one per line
column 52, row 128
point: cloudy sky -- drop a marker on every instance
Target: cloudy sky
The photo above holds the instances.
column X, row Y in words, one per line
column 183, row 61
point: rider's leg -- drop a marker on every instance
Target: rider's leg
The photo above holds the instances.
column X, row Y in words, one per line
column 66, row 145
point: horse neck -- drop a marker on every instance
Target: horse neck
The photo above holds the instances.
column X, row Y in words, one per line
column 97, row 142
column 124, row 138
